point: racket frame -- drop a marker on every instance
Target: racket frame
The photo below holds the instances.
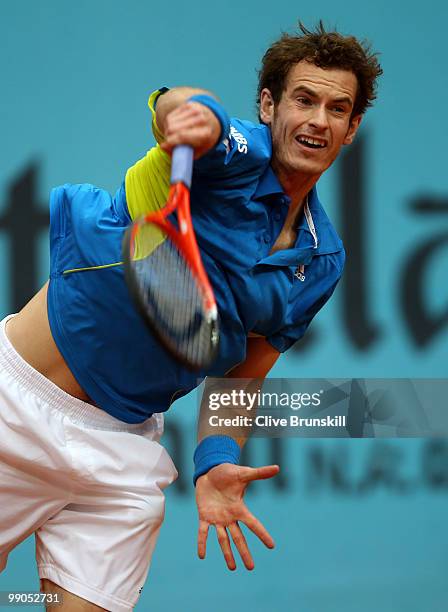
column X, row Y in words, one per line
column 185, row 241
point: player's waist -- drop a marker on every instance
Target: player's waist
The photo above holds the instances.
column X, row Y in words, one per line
column 31, row 381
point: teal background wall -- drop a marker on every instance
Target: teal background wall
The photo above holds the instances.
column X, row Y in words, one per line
column 360, row 524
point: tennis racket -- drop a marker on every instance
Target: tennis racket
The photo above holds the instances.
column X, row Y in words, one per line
column 166, row 277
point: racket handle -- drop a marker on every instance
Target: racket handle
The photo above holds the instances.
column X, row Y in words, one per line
column 182, row 165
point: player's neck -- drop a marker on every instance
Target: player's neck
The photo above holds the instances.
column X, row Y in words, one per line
column 296, row 186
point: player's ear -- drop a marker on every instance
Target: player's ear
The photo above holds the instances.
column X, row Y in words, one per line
column 352, row 129
column 266, row 106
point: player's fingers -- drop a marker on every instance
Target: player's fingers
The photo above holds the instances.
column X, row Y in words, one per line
column 189, row 118
column 258, row 529
column 199, row 150
column 202, row 539
column 241, row 545
column 194, row 136
column 186, row 123
column 224, row 542
column 248, row 474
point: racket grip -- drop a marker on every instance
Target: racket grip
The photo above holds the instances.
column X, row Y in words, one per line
column 182, row 165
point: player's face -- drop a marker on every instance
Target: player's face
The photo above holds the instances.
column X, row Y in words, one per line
column 312, row 120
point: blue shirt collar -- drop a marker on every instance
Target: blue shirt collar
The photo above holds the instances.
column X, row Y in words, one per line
column 327, row 239
column 268, row 185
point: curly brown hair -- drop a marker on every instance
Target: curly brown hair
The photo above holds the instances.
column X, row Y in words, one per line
column 325, row 50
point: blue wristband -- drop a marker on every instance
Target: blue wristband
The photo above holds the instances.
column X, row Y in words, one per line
column 217, row 109
column 212, row 451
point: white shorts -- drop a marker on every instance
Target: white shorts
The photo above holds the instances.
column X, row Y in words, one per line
column 88, row 485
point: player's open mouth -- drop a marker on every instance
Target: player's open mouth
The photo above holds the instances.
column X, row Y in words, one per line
column 311, row 143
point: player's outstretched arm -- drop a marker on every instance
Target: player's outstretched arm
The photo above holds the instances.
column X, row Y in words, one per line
column 220, row 491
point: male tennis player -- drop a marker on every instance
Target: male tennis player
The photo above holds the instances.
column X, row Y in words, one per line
column 83, row 384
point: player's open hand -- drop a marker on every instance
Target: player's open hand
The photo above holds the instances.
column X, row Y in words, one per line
column 193, row 124
column 219, row 496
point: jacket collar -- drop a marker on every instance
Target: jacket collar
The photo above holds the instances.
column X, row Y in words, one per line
column 268, row 185
column 314, row 219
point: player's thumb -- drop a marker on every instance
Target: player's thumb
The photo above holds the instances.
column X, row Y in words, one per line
column 248, row 474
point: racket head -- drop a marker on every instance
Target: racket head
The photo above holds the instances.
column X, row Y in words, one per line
column 169, row 294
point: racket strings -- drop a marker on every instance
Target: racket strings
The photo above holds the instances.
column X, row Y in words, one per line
column 172, row 297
